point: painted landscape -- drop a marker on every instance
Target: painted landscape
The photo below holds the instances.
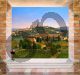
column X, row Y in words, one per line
column 52, row 43
column 38, row 41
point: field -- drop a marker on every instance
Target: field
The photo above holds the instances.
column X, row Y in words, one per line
column 58, row 52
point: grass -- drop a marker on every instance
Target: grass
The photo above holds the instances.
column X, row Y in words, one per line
column 22, row 53
column 63, row 53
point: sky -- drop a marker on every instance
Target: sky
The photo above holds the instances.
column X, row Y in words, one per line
column 22, row 17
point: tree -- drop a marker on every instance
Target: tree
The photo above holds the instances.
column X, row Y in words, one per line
column 26, row 44
column 39, row 39
column 47, row 38
column 20, row 43
column 36, row 46
column 59, row 38
column 14, row 44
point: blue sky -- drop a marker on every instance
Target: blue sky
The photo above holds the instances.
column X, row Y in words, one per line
column 22, row 17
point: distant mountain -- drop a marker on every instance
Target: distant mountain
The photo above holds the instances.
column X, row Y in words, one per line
column 46, row 29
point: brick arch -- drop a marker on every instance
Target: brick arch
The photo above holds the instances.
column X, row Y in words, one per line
column 56, row 17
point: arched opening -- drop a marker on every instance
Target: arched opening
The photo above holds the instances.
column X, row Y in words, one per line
column 49, row 22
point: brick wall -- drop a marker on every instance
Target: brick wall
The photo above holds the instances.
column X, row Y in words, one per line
column 3, row 5
column 76, row 9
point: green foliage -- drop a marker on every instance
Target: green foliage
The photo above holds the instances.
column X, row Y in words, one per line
column 44, row 47
column 25, row 44
column 21, row 53
column 47, row 38
column 59, row 38
column 20, row 44
column 38, row 39
column 36, row 46
column 63, row 53
column 14, row 44
column 53, row 49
